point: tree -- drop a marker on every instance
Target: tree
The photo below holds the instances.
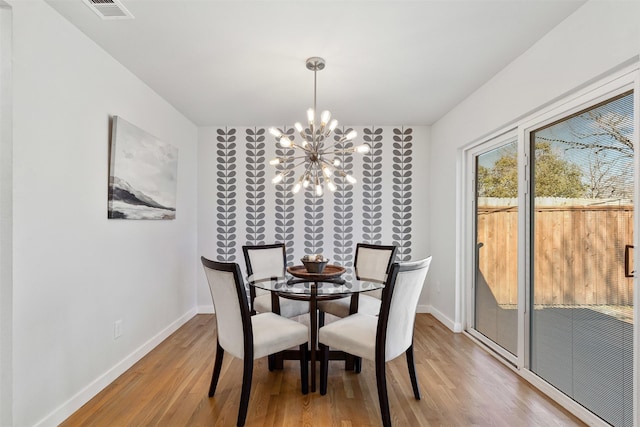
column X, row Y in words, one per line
column 602, row 138
column 502, row 179
column 554, row 176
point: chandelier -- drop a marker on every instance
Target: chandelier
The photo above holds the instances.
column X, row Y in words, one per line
column 319, row 158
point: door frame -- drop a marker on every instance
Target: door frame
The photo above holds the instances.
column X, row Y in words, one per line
column 616, row 82
column 496, row 141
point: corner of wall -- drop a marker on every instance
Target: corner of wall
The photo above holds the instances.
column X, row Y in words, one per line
column 440, row 317
column 6, row 216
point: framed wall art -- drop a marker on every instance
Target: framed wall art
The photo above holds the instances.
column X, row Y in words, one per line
column 143, row 174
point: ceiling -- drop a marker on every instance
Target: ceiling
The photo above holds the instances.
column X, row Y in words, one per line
column 242, row 63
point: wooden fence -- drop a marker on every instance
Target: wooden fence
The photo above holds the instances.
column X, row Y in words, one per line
column 578, row 254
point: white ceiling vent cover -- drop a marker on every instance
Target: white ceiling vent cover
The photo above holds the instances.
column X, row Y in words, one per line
column 109, row 9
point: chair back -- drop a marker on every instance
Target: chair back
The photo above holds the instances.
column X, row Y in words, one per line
column 399, row 304
column 374, row 262
column 233, row 322
column 264, row 261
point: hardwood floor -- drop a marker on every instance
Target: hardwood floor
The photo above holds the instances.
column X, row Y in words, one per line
column 461, row 385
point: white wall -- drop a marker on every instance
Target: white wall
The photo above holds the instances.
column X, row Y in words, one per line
column 597, row 38
column 6, row 217
column 208, row 195
column 75, row 271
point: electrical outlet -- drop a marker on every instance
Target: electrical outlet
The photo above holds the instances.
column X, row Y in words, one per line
column 117, row 329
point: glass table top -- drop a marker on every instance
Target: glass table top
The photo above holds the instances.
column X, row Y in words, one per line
column 287, row 283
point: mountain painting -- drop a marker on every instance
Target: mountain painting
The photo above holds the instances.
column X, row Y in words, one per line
column 142, row 175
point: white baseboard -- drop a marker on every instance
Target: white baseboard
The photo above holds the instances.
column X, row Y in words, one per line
column 423, row 308
column 91, row 390
column 206, row 309
column 455, row 327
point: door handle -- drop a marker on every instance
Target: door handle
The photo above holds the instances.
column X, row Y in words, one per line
column 627, row 261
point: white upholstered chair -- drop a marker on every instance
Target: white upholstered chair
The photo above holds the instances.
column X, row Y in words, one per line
column 371, row 262
column 381, row 338
column 263, row 262
column 248, row 337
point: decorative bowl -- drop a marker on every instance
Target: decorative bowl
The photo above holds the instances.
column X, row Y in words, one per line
column 315, row 266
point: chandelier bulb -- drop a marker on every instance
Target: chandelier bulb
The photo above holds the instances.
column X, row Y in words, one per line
column 275, row 132
column 275, row 161
column 310, row 116
column 276, row 179
column 327, row 171
column 351, row 135
column 324, row 118
column 296, row 187
column 306, row 182
column 285, row 141
column 319, row 189
column 363, row 149
column 336, row 162
column 299, row 127
column 351, row 179
column 331, row 185
column 333, row 125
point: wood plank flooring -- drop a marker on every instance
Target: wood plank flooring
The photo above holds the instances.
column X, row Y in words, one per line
column 461, row 384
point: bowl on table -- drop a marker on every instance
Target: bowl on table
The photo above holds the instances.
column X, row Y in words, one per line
column 314, row 266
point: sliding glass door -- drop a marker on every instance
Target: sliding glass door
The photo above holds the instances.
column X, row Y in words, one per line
column 582, row 227
column 496, row 246
column 549, row 238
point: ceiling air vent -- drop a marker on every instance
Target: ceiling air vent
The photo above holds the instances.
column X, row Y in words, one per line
column 109, row 9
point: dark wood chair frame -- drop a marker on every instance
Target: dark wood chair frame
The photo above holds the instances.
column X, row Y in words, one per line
column 275, row 361
column 355, row 363
column 381, row 338
column 247, row 372
column 247, row 262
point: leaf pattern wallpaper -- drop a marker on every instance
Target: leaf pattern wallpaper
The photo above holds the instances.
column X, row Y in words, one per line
column 226, row 194
column 372, row 188
column 343, row 242
column 377, row 209
column 402, row 158
column 255, row 186
column 284, row 212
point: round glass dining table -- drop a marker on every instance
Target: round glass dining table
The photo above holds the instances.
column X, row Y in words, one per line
column 313, row 287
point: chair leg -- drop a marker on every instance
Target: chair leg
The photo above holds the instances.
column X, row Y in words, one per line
column 383, row 398
column 324, row 368
column 357, row 364
column 279, row 361
column 217, row 367
column 304, row 369
column 349, row 362
column 412, row 372
column 247, row 374
column 271, row 359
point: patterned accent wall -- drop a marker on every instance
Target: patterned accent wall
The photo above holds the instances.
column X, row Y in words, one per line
column 285, row 208
column 372, row 188
column 377, row 209
column 226, row 194
column 343, row 243
column 313, row 221
column 255, row 186
column 402, row 158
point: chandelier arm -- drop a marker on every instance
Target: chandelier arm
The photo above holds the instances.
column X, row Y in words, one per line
column 306, row 150
column 286, row 159
column 340, row 151
column 330, row 164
